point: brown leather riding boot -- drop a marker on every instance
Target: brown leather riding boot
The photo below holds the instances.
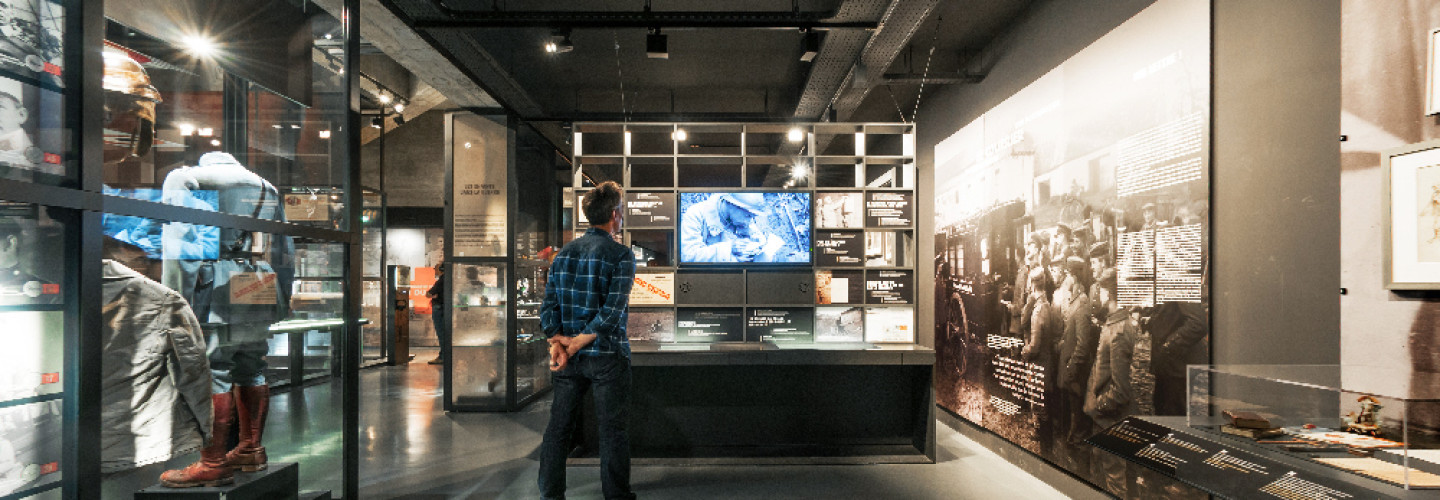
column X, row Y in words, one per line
column 253, row 404
column 212, row 469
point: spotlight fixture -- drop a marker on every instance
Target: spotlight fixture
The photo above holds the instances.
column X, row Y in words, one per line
column 811, row 44
column 205, row 132
column 324, row 134
column 657, row 45
column 799, row 171
column 399, row 107
column 384, row 98
column 200, row 46
column 186, row 129
column 559, row 42
column 399, row 120
column 795, row 135
column 214, row 142
column 377, row 122
column 680, row 135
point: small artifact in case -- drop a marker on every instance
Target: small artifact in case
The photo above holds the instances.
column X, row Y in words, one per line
column 1252, row 433
column 1248, row 420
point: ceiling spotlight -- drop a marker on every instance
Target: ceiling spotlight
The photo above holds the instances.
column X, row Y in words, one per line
column 795, row 135
column 811, row 44
column 200, row 46
column 293, row 125
column 399, row 120
column 680, row 135
column 399, row 107
column 657, row 45
column 214, row 142
column 799, row 172
column 186, row 129
column 324, row 134
column 384, row 98
column 559, row 42
column 377, row 122
column 468, row 145
column 205, row 132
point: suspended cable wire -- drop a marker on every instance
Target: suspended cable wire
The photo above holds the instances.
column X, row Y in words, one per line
column 934, row 39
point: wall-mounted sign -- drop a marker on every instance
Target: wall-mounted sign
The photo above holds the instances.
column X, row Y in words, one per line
column 780, row 324
column 889, row 209
column 710, row 325
column 839, row 248
column 650, row 210
column 481, row 186
column 653, row 289
column 889, row 287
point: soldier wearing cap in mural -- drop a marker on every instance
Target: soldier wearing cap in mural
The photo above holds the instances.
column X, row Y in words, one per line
column 728, row 227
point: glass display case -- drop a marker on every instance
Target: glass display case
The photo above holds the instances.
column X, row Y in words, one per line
column 1329, row 415
column 498, row 243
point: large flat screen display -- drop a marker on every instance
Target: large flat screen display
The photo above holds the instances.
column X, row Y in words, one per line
column 744, row 228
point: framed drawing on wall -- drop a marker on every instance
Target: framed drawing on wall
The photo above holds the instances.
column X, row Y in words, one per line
column 1410, row 177
column 1432, row 83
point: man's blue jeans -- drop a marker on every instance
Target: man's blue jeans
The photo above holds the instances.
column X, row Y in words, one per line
column 609, row 375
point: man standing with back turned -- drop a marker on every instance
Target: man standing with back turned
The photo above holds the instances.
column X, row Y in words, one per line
column 584, row 316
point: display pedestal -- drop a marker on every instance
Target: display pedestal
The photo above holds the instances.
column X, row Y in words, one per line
column 281, row 481
column 777, row 406
column 1234, row 467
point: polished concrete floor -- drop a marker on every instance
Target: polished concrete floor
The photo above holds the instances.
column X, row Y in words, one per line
column 414, row 450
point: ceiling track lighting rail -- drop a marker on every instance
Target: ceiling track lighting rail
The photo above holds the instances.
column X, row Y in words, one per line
column 648, row 20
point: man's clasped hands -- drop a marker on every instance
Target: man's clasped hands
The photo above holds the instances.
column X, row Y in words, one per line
column 563, row 348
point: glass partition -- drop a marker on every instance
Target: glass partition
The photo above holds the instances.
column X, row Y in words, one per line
column 478, row 340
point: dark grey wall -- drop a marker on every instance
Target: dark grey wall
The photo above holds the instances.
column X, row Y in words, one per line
column 1275, row 163
column 1050, row 32
column 414, row 161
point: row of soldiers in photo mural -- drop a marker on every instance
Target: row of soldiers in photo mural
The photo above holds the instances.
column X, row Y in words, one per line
column 1064, row 305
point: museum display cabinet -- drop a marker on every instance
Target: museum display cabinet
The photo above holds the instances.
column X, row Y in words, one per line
column 152, row 154
column 502, row 225
column 1293, row 430
column 767, row 252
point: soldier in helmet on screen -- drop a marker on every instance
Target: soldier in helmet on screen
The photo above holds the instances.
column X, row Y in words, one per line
column 728, row 227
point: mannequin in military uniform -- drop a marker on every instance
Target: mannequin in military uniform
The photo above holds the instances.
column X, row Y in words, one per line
column 235, row 297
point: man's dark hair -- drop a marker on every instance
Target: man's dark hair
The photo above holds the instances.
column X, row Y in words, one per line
column 601, row 202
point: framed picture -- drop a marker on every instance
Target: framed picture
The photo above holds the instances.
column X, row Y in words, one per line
column 1410, row 177
column 1432, row 83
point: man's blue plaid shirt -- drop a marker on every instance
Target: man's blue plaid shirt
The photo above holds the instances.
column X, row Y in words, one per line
column 588, row 291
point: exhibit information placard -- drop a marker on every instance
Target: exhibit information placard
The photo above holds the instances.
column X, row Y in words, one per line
column 886, row 209
column 480, row 184
column 653, row 289
column 710, row 325
column 890, row 325
column 838, row 210
column 839, row 248
column 780, row 324
column 889, row 287
column 650, row 210
column 838, row 287
column 1224, row 470
column 653, row 325
column 839, row 324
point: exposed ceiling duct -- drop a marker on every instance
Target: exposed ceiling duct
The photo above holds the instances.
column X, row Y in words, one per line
column 833, row 65
column 897, row 28
column 392, row 36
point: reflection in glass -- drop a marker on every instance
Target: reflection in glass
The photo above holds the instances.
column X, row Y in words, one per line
column 32, row 364
column 478, row 334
